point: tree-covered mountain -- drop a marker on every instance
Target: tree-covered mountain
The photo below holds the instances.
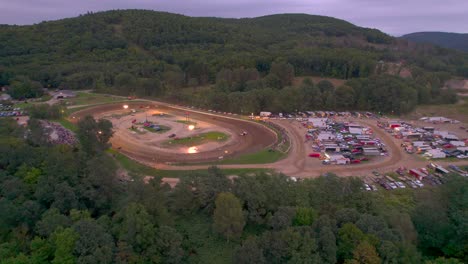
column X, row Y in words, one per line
column 180, row 58
column 444, row 39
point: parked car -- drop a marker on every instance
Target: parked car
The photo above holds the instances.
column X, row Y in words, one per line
column 418, row 183
column 392, row 185
column 400, row 184
column 412, row 184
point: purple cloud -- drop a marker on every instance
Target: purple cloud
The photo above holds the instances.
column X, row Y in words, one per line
column 395, row 17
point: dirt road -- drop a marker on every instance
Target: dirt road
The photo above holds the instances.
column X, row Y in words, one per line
column 259, row 137
column 296, row 164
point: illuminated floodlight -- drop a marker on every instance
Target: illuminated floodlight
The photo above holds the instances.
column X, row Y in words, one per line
column 191, row 127
column 125, row 106
column 192, row 150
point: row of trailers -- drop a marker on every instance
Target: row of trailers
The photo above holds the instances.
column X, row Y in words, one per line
column 423, row 172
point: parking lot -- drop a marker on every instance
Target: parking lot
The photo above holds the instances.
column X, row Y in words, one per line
column 428, row 141
column 10, row 111
column 431, row 175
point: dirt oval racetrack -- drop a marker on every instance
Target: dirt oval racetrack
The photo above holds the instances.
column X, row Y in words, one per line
column 259, row 137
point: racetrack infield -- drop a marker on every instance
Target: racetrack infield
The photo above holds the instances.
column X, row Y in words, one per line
column 259, row 137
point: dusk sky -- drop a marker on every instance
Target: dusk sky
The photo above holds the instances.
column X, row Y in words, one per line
column 395, row 17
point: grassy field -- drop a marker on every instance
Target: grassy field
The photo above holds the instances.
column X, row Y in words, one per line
column 261, row 157
column 456, row 111
column 135, row 167
column 42, row 99
column 83, row 98
column 66, row 124
column 450, row 159
column 198, row 139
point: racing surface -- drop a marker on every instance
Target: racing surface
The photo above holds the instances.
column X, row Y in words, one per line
column 258, row 137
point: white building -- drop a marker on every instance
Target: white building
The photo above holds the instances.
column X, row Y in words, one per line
column 435, row 154
column 5, row 97
column 326, row 136
column 318, row 122
column 338, row 159
column 420, row 143
column 457, row 143
column 439, row 119
column 445, row 135
column 371, row 151
column 356, row 130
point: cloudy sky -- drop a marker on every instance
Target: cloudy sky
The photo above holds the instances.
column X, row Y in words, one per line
column 395, row 17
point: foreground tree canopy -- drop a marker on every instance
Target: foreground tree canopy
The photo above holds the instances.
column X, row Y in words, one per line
column 65, row 204
column 217, row 63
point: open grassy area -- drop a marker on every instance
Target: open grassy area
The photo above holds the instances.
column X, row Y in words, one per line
column 450, row 159
column 42, row 99
column 198, row 139
column 261, row 157
column 456, row 111
column 83, row 98
column 66, row 124
column 135, row 167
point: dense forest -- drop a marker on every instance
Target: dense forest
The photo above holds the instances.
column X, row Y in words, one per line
column 211, row 61
column 64, row 204
column 457, row 41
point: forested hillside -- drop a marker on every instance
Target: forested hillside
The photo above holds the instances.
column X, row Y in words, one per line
column 444, row 39
column 64, row 204
column 180, row 58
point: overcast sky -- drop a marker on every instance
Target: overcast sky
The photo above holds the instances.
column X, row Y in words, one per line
column 395, row 17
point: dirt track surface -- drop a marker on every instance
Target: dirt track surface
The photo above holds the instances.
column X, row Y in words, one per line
column 296, row 164
column 258, row 137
